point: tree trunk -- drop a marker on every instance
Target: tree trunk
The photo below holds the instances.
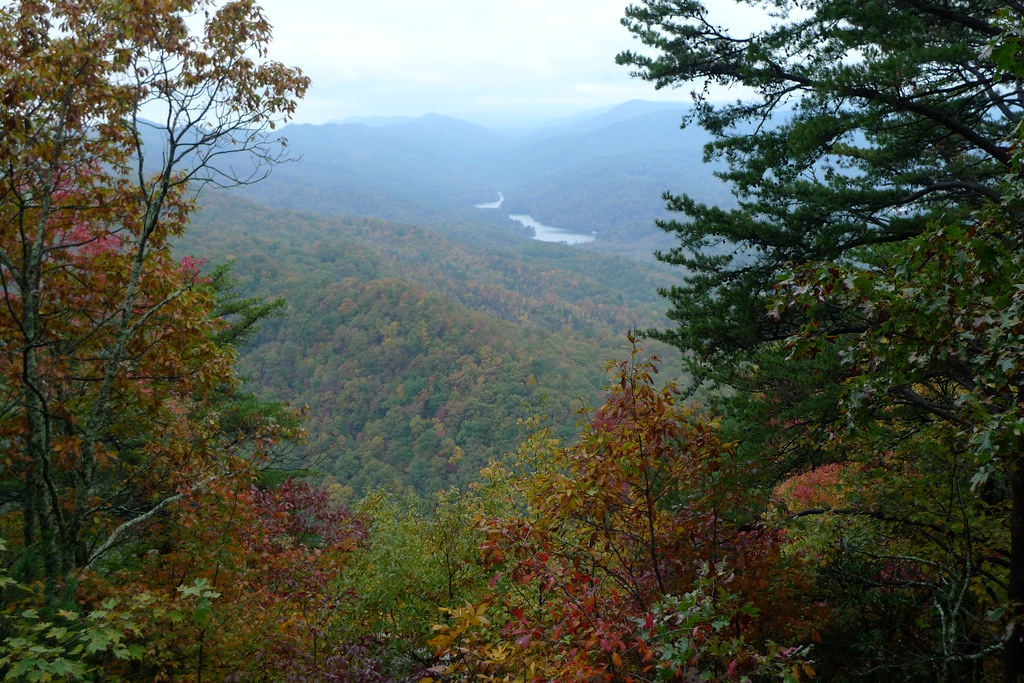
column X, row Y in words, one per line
column 1013, row 656
column 37, row 499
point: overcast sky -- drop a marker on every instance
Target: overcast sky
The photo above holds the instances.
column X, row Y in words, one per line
column 489, row 61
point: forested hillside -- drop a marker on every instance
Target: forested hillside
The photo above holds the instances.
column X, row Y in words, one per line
column 417, row 355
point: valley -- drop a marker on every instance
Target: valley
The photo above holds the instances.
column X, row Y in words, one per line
column 416, row 354
column 413, row 400
column 603, row 172
column 423, row 322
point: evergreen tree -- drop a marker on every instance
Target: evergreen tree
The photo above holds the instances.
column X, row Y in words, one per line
column 865, row 121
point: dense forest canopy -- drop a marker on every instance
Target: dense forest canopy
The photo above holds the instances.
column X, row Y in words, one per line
column 409, row 348
column 317, row 448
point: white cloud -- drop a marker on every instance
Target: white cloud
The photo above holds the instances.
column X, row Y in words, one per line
column 485, row 60
column 481, row 59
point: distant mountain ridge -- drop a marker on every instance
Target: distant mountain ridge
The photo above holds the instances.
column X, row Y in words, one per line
column 601, row 171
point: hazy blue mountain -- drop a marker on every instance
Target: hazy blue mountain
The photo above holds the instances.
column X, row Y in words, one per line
column 637, row 134
column 448, row 135
column 602, row 171
column 414, row 171
column 370, row 120
column 596, row 119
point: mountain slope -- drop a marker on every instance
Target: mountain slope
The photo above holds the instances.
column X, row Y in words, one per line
column 605, row 172
column 416, row 354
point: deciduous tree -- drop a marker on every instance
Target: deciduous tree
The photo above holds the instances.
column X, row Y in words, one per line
column 621, row 559
column 108, row 343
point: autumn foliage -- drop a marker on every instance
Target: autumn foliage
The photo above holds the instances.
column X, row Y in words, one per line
column 152, row 529
column 623, row 558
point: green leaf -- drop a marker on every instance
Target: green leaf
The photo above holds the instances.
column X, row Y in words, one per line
column 97, row 640
column 19, row 669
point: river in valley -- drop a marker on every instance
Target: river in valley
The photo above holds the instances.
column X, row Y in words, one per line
column 549, row 233
column 492, row 205
column 544, row 233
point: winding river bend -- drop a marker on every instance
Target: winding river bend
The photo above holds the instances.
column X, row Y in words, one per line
column 492, row 205
column 544, row 233
column 549, row 233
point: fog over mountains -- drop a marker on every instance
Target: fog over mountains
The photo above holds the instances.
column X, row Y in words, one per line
column 601, row 171
column 408, row 307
